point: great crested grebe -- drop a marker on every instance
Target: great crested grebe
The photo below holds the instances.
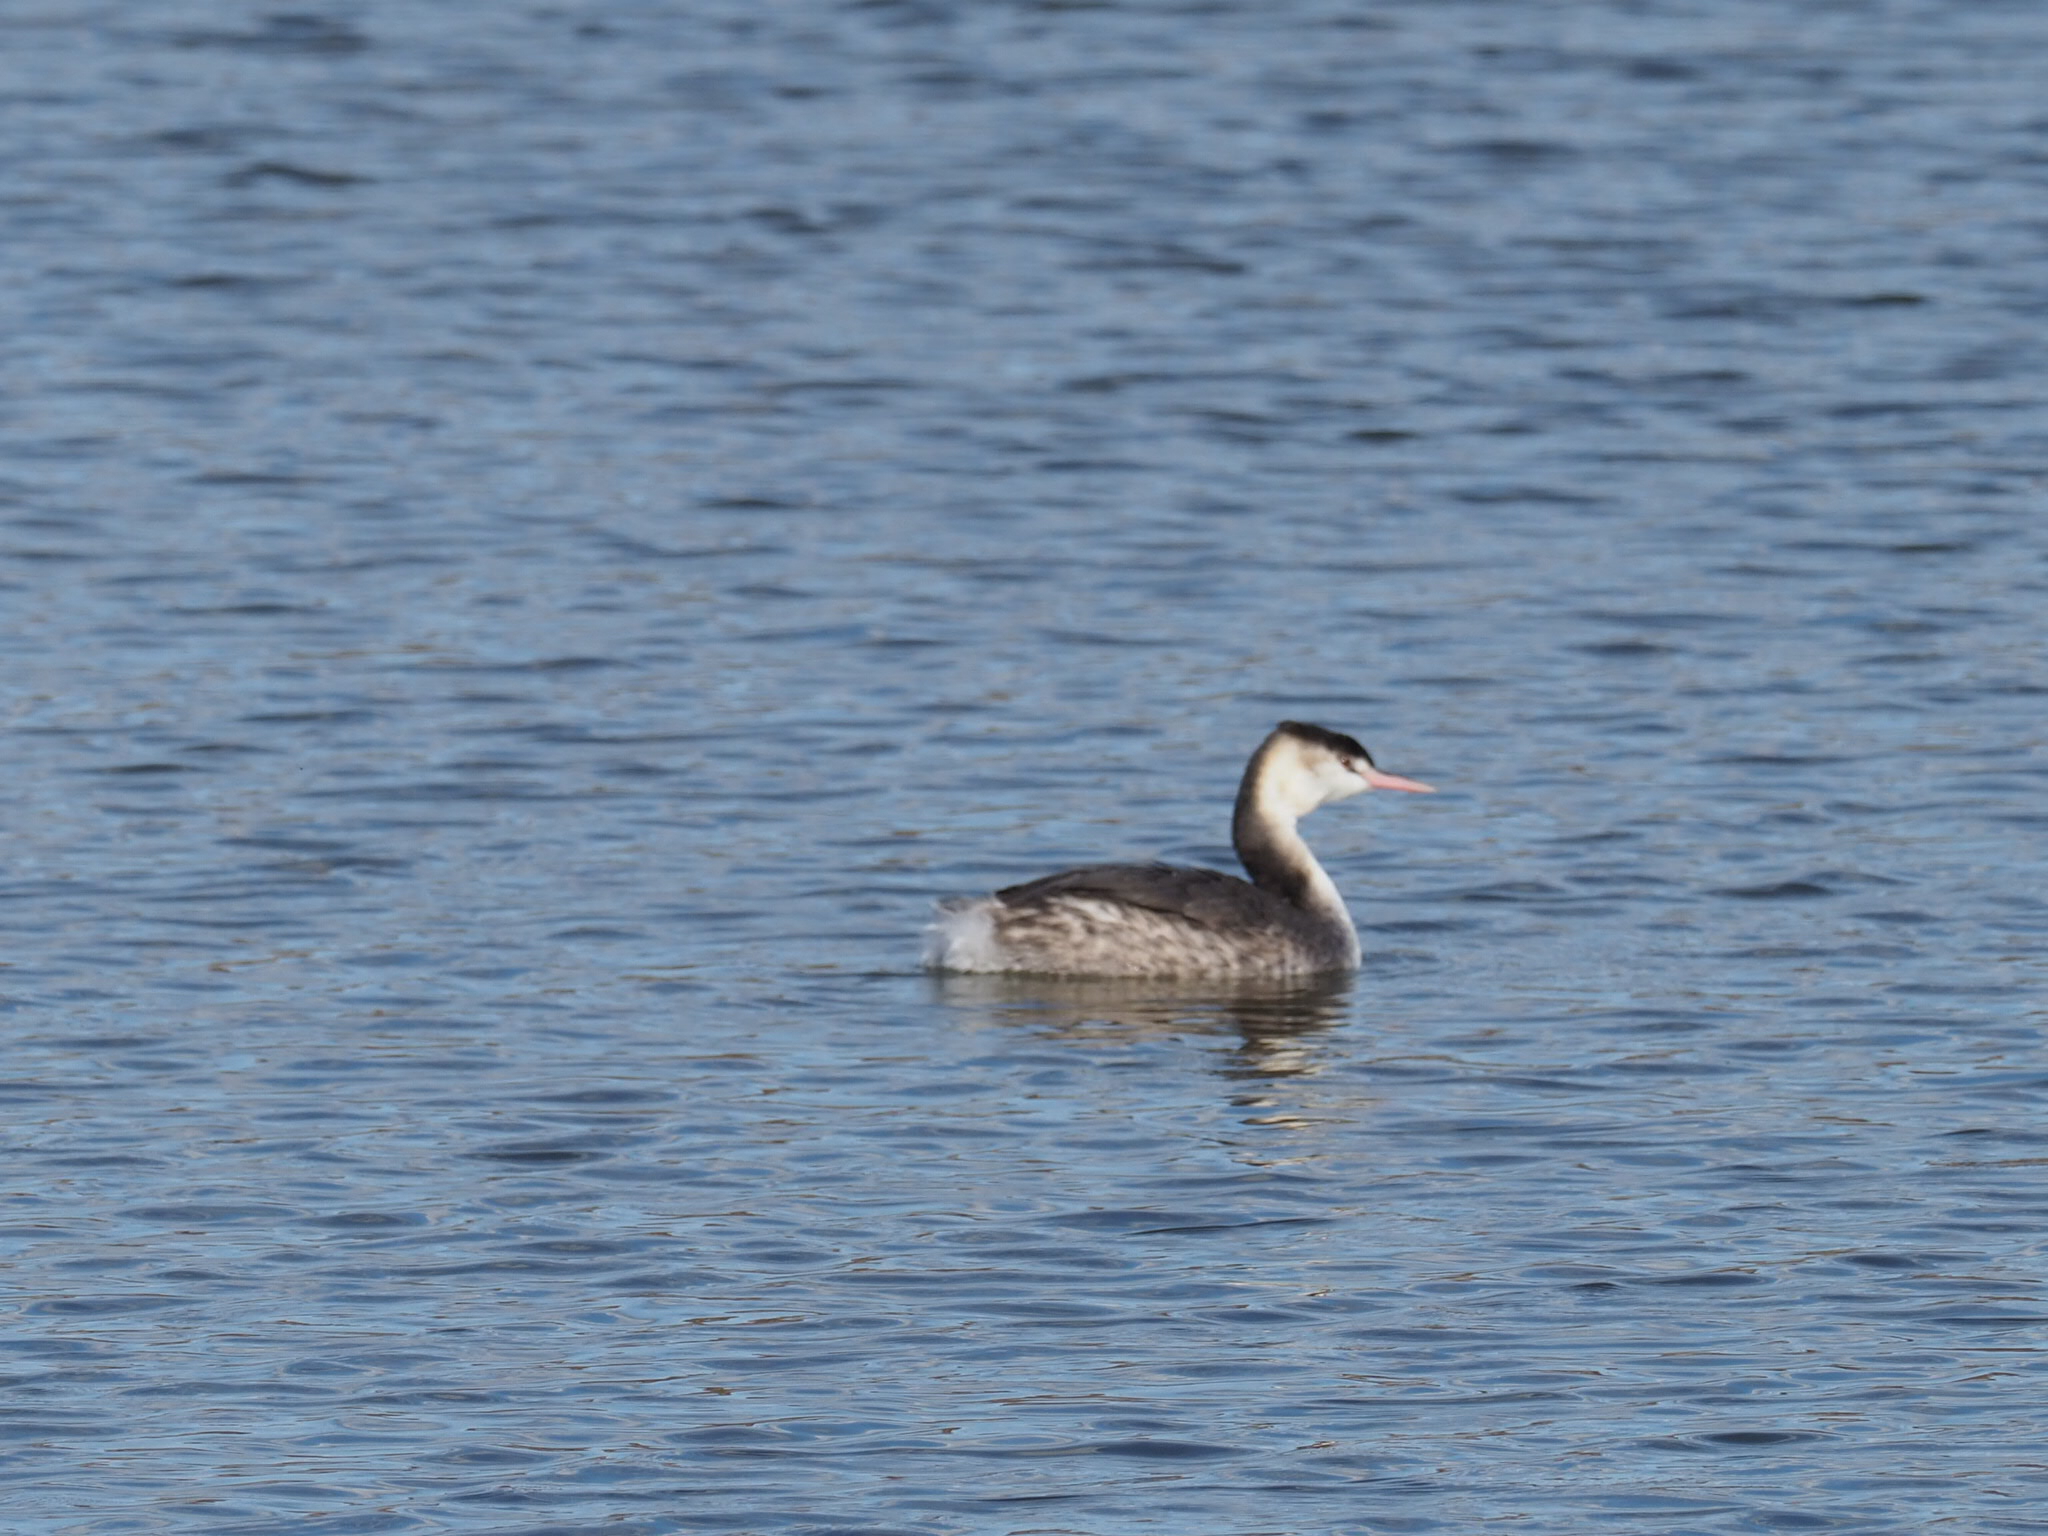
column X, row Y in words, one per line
column 1167, row 920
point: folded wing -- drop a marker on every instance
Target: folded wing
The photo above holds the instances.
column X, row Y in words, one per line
column 1206, row 897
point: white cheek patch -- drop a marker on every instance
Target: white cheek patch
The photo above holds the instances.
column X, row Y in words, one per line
column 1338, row 782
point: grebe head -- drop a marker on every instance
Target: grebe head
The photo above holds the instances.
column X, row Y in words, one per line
column 1306, row 766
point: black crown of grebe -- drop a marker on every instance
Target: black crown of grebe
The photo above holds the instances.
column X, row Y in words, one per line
column 1166, row 920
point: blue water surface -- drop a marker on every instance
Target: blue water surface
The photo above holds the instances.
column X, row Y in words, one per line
column 539, row 538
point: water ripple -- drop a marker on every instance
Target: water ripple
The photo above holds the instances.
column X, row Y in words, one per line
column 535, row 547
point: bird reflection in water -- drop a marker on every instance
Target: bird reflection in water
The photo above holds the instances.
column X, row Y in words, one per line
column 1277, row 1025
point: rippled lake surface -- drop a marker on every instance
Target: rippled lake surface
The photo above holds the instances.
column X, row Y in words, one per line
column 539, row 538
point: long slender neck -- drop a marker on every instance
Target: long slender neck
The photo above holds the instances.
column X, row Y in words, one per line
column 1272, row 852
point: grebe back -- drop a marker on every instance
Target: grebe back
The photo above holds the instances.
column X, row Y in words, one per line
column 1168, row 920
